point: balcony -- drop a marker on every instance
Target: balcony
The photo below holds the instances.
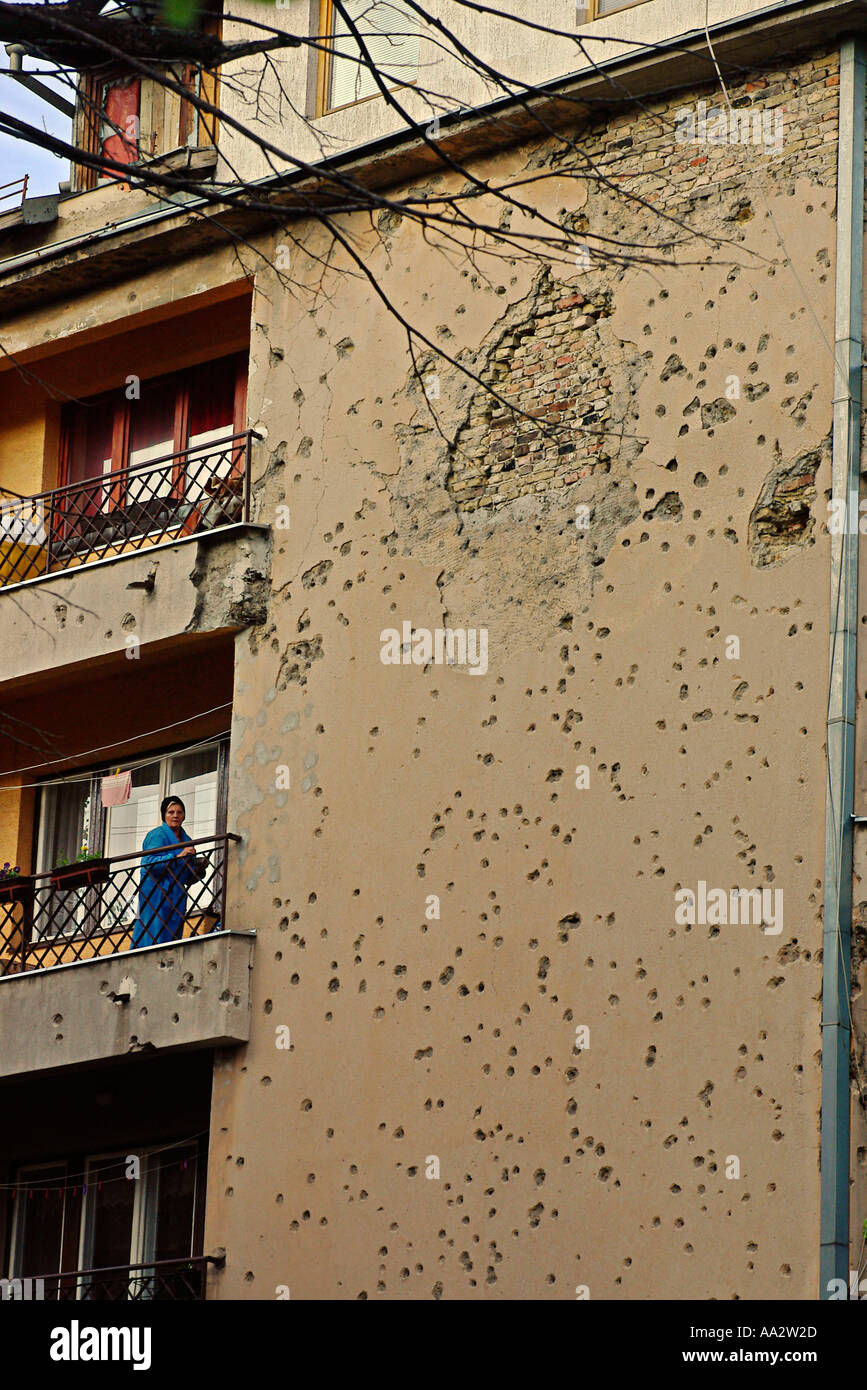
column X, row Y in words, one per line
column 109, row 956
column 100, row 907
column 182, row 1280
column 150, row 556
column 169, row 498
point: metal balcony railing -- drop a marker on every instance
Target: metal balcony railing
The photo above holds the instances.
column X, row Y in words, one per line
column 181, row 1280
column 164, row 499
column 100, row 907
column 13, row 193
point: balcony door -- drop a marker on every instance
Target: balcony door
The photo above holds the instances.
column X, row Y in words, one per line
column 145, row 458
column 195, row 777
column 71, row 816
column 136, row 1220
column 95, row 1217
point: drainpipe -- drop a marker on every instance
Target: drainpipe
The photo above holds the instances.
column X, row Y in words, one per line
column 846, row 462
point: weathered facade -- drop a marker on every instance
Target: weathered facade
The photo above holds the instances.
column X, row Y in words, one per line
column 463, row 1040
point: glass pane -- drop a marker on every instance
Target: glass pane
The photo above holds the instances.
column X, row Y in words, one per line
column 127, row 827
column 390, row 34
column 90, row 446
column 128, row 824
column 193, row 777
column 176, row 1203
column 109, row 1211
column 39, row 1220
column 207, row 468
column 152, row 436
column 69, row 821
column 212, row 421
column 212, row 397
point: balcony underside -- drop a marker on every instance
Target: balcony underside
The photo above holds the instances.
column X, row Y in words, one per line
column 204, row 583
column 191, row 994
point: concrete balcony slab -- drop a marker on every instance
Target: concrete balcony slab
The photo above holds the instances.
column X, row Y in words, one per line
column 191, row 994
column 209, row 582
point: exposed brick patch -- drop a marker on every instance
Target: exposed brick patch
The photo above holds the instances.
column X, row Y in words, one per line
column 782, row 518
column 552, row 364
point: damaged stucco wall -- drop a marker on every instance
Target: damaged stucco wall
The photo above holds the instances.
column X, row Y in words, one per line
column 464, row 868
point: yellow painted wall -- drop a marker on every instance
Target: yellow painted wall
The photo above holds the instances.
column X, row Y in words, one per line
column 22, row 436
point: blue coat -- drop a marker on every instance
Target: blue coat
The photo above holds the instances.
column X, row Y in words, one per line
column 162, row 899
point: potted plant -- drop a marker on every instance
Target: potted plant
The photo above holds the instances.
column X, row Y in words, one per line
column 85, row 871
column 15, row 887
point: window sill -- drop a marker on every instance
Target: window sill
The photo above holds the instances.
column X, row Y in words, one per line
column 197, row 161
column 362, row 101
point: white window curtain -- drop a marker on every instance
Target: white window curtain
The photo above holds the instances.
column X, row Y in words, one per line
column 390, row 33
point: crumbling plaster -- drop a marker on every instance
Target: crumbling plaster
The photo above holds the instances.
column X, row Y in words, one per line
column 205, row 584
column 454, row 1038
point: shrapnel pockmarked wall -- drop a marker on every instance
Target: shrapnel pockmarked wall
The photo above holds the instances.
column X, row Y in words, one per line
column 512, row 1071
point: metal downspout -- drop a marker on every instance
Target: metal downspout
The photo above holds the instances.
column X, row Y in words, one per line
column 834, row 1204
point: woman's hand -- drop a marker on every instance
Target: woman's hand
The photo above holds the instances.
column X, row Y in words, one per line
column 190, row 849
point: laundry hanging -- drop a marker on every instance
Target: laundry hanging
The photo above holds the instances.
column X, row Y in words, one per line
column 117, row 789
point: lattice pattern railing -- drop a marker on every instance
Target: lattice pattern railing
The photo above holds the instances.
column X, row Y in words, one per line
column 166, row 498
column 181, row 1280
column 101, row 907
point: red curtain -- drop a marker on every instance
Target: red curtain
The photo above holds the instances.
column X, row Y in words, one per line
column 121, row 103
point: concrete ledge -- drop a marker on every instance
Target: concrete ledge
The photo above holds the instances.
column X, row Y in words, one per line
column 213, row 581
column 190, row 995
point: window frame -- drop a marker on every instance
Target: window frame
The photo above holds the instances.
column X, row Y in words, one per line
column 162, row 756
column 122, row 412
column 594, row 13
column 78, row 1213
column 326, row 63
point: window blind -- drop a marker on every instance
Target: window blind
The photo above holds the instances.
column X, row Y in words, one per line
column 390, row 34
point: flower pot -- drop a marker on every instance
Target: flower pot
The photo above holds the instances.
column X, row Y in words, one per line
column 16, row 888
column 85, row 874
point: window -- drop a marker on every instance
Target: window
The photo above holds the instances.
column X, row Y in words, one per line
column 71, row 813
column 595, row 9
column 390, row 32
column 108, row 123
column 184, row 410
column 95, row 1212
column 128, row 118
column 165, row 456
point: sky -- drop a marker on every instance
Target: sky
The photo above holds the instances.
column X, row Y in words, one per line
column 18, row 157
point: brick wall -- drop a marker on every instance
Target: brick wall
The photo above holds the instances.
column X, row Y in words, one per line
column 551, row 362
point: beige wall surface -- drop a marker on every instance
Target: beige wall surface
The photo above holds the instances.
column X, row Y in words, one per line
column 676, row 649
column 525, row 43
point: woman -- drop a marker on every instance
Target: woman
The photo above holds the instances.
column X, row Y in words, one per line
column 166, row 873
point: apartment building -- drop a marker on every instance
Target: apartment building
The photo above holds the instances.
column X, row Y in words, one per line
column 519, row 802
